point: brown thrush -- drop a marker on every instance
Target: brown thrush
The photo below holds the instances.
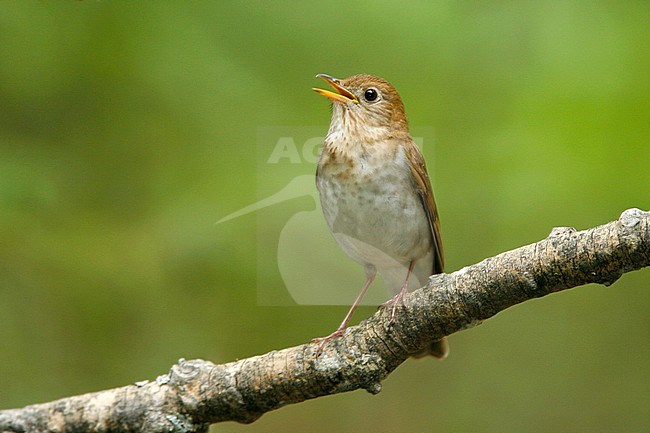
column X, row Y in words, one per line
column 376, row 194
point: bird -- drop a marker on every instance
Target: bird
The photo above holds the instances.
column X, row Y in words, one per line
column 376, row 195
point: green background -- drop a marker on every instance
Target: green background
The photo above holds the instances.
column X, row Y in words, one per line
column 128, row 129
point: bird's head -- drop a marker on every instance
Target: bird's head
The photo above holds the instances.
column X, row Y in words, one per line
column 364, row 105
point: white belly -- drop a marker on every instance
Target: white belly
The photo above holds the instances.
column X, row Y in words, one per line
column 378, row 219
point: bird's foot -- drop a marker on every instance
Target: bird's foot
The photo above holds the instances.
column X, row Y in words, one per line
column 322, row 341
column 393, row 303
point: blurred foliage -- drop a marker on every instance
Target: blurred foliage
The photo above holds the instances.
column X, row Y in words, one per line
column 128, row 128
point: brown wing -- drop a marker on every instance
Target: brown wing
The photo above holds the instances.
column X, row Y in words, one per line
column 423, row 185
column 438, row 348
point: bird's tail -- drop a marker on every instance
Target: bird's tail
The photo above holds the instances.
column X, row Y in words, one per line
column 438, row 348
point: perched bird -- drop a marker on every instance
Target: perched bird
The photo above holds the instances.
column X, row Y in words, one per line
column 376, row 194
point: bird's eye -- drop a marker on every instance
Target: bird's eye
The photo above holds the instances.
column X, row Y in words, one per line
column 370, row 95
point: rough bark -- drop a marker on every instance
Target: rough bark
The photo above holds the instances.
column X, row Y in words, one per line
column 196, row 393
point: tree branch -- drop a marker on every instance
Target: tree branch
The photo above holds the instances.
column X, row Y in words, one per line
column 197, row 393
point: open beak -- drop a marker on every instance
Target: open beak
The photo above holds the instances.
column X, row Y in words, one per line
column 344, row 94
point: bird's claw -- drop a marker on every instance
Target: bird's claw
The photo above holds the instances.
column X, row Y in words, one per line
column 322, row 341
column 393, row 303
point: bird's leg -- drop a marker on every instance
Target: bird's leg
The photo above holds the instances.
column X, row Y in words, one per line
column 370, row 276
column 398, row 299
